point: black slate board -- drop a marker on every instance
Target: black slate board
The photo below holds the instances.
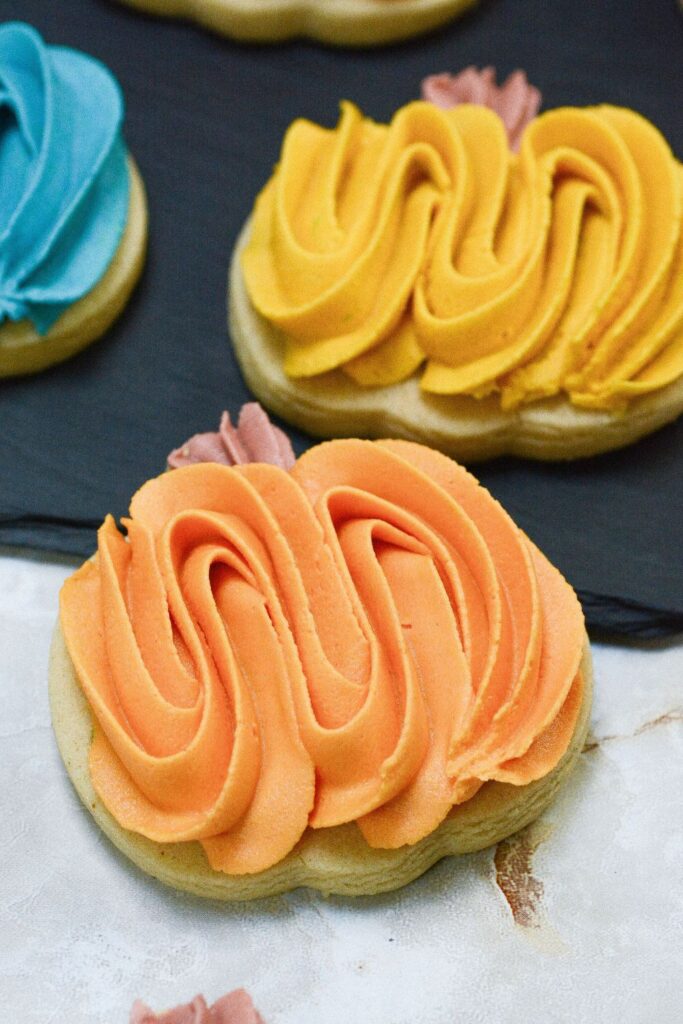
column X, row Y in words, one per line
column 205, row 121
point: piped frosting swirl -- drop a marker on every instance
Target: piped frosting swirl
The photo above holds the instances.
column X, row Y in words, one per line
column 65, row 182
column 427, row 246
column 367, row 637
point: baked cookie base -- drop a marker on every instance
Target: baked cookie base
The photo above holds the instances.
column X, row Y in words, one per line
column 339, row 22
column 467, row 429
column 335, row 860
column 23, row 350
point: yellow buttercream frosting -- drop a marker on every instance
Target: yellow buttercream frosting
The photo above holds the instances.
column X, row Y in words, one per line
column 426, row 245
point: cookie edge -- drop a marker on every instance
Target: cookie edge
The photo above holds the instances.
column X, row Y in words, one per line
column 467, row 429
column 333, row 861
column 24, row 351
column 335, row 22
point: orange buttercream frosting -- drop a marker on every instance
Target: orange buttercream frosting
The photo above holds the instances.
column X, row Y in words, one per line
column 367, row 637
column 427, row 245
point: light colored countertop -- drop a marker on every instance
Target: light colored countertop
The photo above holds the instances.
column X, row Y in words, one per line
column 579, row 919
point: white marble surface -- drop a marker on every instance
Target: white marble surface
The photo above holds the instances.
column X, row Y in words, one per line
column 600, row 900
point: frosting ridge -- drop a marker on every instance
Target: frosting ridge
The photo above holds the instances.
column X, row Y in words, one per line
column 427, row 246
column 65, row 183
column 367, row 637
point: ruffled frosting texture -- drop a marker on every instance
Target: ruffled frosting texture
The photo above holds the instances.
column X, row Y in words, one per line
column 254, row 439
column 65, row 183
column 235, row 1008
column 428, row 246
column 367, row 637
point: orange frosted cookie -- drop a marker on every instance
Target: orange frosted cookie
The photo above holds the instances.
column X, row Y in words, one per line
column 339, row 22
column 331, row 674
column 423, row 279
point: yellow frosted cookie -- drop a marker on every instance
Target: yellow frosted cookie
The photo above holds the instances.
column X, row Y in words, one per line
column 73, row 208
column 339, row 22
column 422, row 279
column 331, row 675
column 468, row 429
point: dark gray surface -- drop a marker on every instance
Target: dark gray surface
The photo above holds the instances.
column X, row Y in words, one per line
column 205, row 121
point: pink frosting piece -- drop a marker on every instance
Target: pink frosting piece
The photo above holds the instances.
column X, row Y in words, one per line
column 515, row 101
column 235, row 1008
column 254, row 439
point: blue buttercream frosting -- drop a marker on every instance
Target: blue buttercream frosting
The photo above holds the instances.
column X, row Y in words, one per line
column 64, row 182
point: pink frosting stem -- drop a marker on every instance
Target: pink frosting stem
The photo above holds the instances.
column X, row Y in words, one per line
column 235, row 1008
column 515, row 101
column 254, row 439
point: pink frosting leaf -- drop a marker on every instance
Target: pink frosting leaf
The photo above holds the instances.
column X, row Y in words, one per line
column 515, row 101
column 254, row 439
column 235, row 1008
